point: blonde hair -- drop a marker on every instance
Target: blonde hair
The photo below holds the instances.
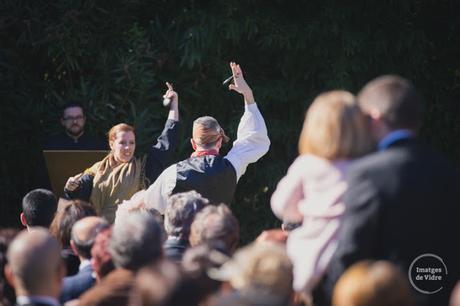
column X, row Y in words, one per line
column 335, row 128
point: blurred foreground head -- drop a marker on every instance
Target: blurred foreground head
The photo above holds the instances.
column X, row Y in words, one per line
column 136, row 241
column 392, row 103
column 215, row 224
column 261, row 273
column 372, row 283
column 34, row 264
column 335, row 128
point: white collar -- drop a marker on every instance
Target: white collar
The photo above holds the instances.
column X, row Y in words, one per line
column 84, row 264
column 44, row 299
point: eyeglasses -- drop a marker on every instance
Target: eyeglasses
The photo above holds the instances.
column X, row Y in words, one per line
column 71, row 118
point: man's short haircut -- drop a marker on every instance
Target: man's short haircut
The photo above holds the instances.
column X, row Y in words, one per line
column 70, row 104
column 180, row 212
column 39, row 207
column 396, row 99
column 136, row 241
column 84, row 246
column 215, row 223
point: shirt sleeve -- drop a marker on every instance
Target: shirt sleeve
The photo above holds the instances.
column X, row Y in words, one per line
column 289, row 192
column 252, row 140
column 160, row 155
column 158, row 193
column 83, row 192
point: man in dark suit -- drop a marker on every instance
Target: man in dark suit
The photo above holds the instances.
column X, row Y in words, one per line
column 34, row 268
column 402, row 202
column 83, row 235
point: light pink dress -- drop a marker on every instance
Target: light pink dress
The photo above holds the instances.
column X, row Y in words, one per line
column 312, row 191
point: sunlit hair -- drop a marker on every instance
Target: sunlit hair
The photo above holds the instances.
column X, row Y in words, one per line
column 396, row 99
column 372, row 283
column 121, row 127
column 207, row 131
column 335, row 128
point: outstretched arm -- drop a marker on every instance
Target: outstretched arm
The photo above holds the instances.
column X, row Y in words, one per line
column 161, row 154
column 252, row 139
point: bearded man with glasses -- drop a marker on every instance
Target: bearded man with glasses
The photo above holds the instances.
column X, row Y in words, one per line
column 74, row 137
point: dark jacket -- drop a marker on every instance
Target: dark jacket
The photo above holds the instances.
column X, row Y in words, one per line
column 74, row 286
column 174, row 248
column 401, row 203
column 65, row 142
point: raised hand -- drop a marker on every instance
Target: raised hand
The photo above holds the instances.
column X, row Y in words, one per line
column 170, row 98
column 239, row 83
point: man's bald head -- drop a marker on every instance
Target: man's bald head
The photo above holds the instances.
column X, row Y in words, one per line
column 34, row 258
column 84, row 232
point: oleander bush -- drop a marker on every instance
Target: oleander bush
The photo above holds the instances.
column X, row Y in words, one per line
column 114, row 56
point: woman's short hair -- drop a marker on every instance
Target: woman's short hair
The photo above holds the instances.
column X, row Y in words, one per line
column 121, row 127
column 335, row 127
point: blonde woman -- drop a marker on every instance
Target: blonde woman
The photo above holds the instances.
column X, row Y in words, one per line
column 334, row 132
column 120, row 175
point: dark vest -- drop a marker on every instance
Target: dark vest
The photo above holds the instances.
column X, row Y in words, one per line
column 212, row 176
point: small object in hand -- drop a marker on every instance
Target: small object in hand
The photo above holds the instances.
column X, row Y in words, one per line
column 227, row 80
column 166, row 102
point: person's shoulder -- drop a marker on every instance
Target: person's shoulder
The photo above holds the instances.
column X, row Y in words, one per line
column 92, row 142
column 56, row 142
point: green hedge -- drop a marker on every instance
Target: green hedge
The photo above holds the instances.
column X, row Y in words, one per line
column 114, row 56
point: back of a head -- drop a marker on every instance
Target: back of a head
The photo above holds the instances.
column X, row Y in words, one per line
column 335, row 127
column 261, row 273
column 64, row 220
column 372, row 283
column 84, row 233
column 163, row 284
column 215, row 223
column 7, row 295
column 136, row 241
column 396, row 99
column 34, row 257
column 180, row 212
column 39, row 207
column 196, row 263
column 207, row 131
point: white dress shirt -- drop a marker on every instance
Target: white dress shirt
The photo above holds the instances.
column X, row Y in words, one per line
column 252, row 143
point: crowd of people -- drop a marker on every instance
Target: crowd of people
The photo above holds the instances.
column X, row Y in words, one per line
column 362, row 203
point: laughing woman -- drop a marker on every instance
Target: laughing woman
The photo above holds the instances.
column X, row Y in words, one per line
column 120, row 175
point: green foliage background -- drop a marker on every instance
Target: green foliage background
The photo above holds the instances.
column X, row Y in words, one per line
column 115, row 56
